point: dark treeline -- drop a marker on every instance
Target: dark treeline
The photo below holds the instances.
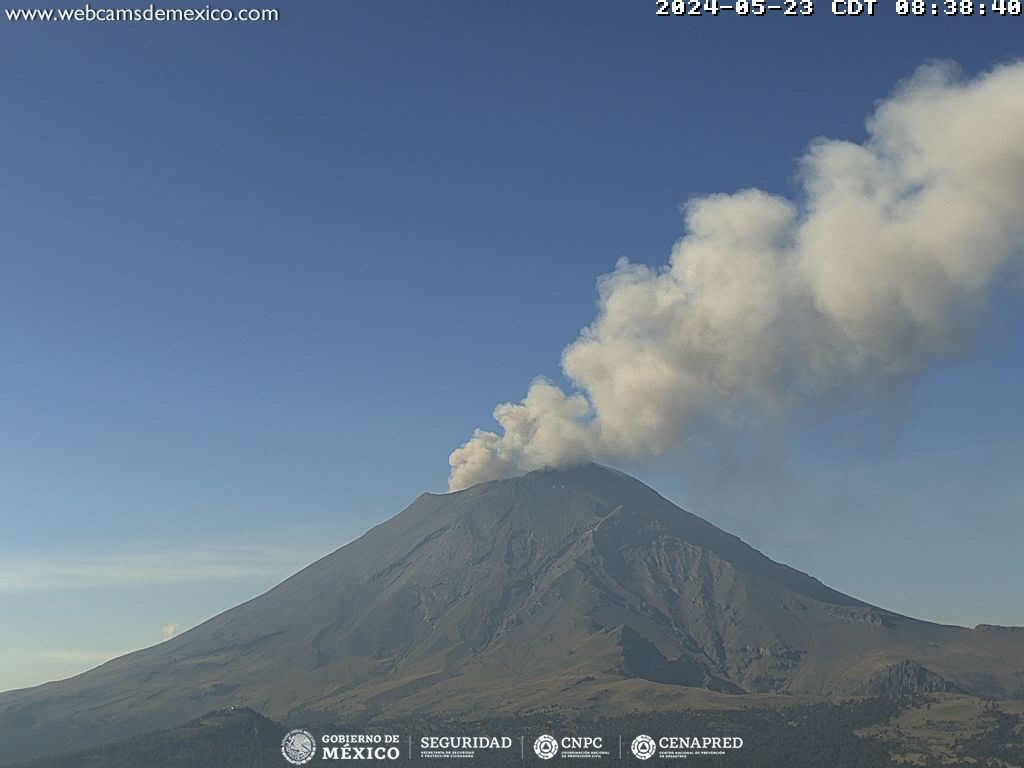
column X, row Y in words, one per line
column 811, row 736
column 805, row 736
column 227, row 739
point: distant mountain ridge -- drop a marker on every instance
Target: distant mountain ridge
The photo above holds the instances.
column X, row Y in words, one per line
column 578, row 589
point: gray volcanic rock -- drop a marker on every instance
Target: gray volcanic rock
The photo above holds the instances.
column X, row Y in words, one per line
column 578, row 589
column 908, row 677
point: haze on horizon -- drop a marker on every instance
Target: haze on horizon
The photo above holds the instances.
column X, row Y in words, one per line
column 258, row 281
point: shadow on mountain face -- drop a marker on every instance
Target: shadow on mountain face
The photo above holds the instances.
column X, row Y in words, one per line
column 581, row 590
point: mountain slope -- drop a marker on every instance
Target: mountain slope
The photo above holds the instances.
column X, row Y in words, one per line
column 560, row 588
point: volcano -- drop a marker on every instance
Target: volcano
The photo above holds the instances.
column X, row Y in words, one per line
column 577, row 590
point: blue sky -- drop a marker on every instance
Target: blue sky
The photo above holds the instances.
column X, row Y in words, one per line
column 257, row 281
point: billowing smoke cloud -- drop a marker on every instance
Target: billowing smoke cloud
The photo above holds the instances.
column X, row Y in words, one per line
column 881, row 268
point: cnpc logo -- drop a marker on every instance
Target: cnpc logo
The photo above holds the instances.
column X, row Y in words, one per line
column 547, row 746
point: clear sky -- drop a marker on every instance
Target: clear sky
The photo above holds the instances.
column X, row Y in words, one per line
column 258, row 280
